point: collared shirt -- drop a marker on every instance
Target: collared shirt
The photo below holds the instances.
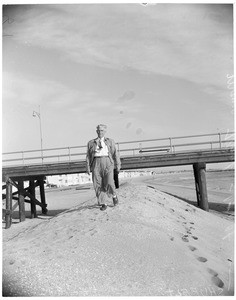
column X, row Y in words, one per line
column 113, row 154
column 101, row 151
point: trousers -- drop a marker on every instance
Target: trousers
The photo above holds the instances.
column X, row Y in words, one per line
column 103, row 178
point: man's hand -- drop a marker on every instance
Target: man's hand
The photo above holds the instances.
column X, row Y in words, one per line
column 88, row 172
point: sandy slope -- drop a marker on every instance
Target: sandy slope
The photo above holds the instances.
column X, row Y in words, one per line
column 151, row 244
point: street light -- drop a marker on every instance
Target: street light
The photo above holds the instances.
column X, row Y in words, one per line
column 37, row 114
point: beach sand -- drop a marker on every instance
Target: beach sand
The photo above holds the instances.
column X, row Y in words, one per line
column 151, row 244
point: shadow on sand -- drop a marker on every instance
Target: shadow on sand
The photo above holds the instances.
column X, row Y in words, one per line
column 50, row 214
column 224, row 208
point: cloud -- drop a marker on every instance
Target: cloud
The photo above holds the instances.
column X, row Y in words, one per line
column 223, row 94
column 36, row 90
column 127, row 96
column 194, row 41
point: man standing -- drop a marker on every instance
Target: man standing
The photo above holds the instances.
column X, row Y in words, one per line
column 102, row 158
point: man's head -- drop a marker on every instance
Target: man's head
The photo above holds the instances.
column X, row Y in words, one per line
column 101, row 130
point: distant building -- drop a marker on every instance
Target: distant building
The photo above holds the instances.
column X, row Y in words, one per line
column 82, row 178
column 69, row 179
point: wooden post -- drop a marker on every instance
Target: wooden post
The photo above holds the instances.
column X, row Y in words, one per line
column 196, row 183
column 32, row 203
column 21, row 200
column 200, row 179
column 203, row 187
column 42, row 195
column 8, row 216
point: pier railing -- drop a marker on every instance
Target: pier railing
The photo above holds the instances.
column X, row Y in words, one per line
column 162, row 146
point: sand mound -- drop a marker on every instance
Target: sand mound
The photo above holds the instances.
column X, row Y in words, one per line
column 151, row 244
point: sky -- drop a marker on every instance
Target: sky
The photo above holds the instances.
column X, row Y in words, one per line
column 147, row 72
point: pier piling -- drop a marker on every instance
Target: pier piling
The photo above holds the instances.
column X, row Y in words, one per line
column 21, row 200
column 201, row 186
column 8, row 217
column 32, row 202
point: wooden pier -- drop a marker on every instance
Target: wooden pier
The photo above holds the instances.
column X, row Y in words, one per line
column 19, row 197
column 149, row 154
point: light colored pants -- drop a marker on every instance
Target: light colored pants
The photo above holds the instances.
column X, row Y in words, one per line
column 103, row 178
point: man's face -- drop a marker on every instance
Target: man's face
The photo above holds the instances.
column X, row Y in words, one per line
column 101, row 132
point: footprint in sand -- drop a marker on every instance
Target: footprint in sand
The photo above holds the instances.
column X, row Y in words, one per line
column 91, row 232
column 212, row 272
column 172, row 210
column 195, row 237
column 217, row 281
column 201, row 259
column 192, row 248
column 172, row 238
column 189, row 232
column 185, row 238
column 12, row 261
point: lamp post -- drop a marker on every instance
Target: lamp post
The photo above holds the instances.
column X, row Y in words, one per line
column 37, row 114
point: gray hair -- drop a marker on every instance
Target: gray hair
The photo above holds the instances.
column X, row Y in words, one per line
column 102, row 125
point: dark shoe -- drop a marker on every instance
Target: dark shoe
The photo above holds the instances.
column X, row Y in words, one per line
column 115, row 200
column 103, row 207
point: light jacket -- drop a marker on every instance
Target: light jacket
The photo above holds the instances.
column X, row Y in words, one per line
column 112, row 153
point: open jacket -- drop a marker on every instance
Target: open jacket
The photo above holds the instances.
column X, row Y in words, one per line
column 112, row 153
